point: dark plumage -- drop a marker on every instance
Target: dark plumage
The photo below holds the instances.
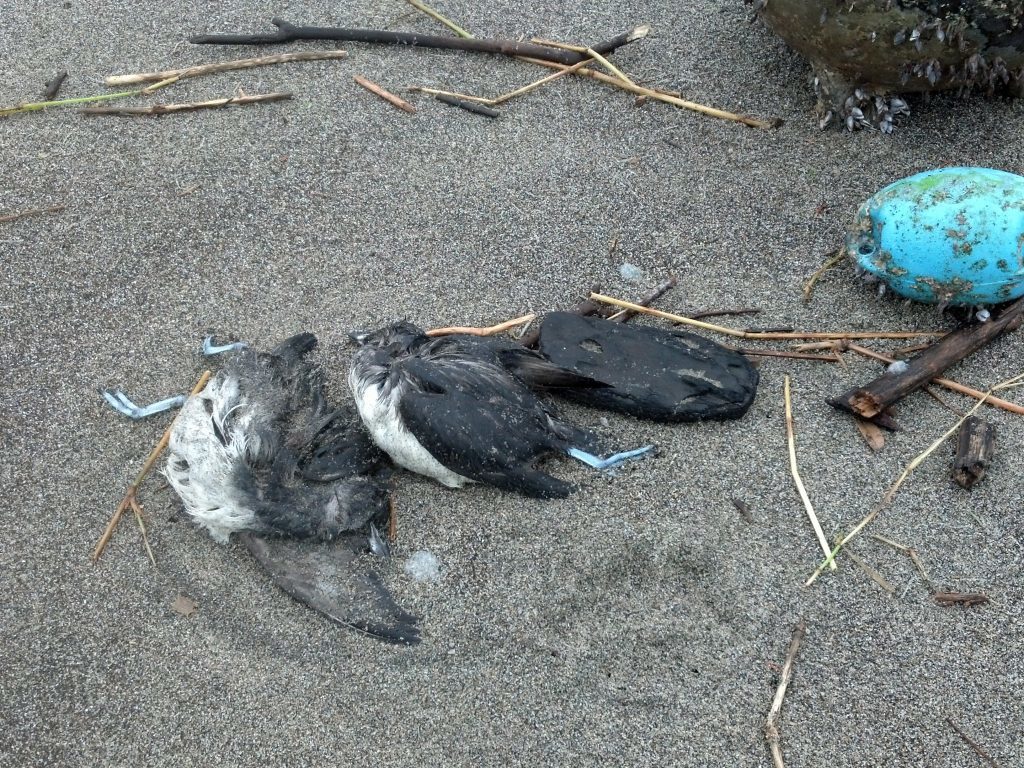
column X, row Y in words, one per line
column 456, row 408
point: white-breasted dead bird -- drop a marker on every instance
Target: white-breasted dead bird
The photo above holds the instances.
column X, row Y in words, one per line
column 457, row 409
column 262, row 453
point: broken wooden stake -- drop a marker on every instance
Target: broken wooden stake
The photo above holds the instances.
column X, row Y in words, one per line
column 870, row 400
column 975, row 447
column 389, row 97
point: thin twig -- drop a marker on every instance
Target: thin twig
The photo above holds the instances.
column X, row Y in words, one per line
column 761, row 334
column 165, row 109
column 609, row 66
column 36, row 106
column 791, row 438
column 624, row 315
column 386, row 95
column 949, row 384
column 221, row 66
column 142, row 528
column 887, row 498
column 489, row 331
column 834, row 258
column 438, row 17
column 129, row 496
column 909, row 551
column 961, row 598
column 783, row 353
column 33, row 212
column 875, row 576
column 693, row 106
column 973, row 744
column 505, row 96
column 771, row 726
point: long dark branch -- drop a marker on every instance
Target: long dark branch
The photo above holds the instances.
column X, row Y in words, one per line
column 288, row 32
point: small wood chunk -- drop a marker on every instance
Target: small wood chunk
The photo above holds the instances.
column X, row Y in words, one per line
column 469, row 106
column 975, row 447
column 960, row 598
column 53, row 85
column 871, row 432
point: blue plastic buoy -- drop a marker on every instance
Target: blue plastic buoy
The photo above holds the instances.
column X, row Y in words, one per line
column 952, row 235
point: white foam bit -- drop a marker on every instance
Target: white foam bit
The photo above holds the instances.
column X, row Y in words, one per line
column 631, row 273
column 423, row 566
column 897, row 367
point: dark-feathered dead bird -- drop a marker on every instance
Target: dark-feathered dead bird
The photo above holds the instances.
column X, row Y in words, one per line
column 456, row 408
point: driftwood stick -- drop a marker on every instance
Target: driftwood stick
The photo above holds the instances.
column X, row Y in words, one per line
column 791, row 440
column 473, row 106
column 973, row 744
column 32, row 212
column 53, row 85
column 287, row 32
column 221, row 66
column 625, row 315
column 975, row 447
column 165, row 109
column 489, row 331
column 771, row 726
column 873, row 398
column 389, row 97
column 768, row 336
column 129, row 501
column 505, row 96
column 949, row 384
column 966, row 599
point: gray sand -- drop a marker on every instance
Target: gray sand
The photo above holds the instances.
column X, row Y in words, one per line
column 641, row 621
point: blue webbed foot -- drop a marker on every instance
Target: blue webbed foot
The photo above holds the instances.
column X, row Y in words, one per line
column 209, row 348
column 119, row 401
column 612, row 461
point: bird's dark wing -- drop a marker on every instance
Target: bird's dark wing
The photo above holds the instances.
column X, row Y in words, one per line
column 338, row 581
column 650, row 373
column 527, row 365
column 481, row 424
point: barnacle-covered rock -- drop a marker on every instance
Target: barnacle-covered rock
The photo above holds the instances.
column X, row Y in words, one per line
column 866, row 52
column 951, row 236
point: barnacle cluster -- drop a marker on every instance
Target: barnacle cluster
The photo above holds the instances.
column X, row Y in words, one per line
column 867, row 53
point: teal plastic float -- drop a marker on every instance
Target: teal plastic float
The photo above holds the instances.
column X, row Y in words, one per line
column 953, row 235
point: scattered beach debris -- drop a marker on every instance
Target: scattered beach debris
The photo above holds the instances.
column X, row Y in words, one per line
column 52, row 86
column 423, row 566
column 950, row 236
column 31, row 212
column 167, row 109
column 865, row 53
column 966, row 599
column 871, row 400
column 1015, row 381
column 976, row 444
column 492, row 330
column 184, row 606
column 771, row 726
column 973, row 744
column 791, row 440
column 389, row 97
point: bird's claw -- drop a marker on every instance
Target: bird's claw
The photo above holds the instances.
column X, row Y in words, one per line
column 612, row 461
column 210, row 348
column 121, row 403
